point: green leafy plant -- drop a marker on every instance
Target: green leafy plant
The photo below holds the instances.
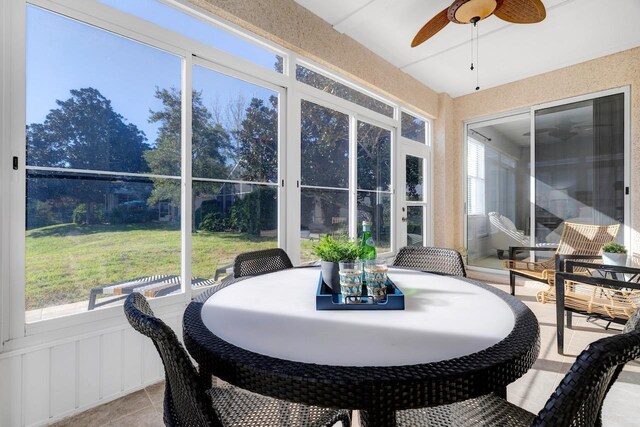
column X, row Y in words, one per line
column 338, row 249
column 614, row 248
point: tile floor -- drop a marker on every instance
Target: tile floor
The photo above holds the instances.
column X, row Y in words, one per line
column 144, row 407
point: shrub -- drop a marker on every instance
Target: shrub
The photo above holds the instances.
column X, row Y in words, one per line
column 79, row 215
column 122, row 215
column 214, row 221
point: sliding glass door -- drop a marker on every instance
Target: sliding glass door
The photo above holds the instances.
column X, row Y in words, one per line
column 522, row 185
column 498, row 177
column 579, row 165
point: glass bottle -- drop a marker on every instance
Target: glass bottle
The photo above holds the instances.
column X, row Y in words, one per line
column 369, row 247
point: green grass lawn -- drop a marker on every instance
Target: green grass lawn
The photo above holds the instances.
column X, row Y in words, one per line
column 65, row 261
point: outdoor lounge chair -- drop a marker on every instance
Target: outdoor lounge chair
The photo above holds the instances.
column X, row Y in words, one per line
column 608, row 292
column 504, row 234
column 577, row 401
column 187, row 402
column 149, row 286
column 434, row 260
column 578, row 241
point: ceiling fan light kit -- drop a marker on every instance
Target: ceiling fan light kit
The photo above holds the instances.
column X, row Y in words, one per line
column 474, row 11
column 470, row 11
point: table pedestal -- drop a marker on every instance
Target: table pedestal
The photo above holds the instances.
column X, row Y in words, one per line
column 378, row 417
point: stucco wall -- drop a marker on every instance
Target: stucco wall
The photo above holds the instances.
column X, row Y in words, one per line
column 290, row 25
column 617, row 70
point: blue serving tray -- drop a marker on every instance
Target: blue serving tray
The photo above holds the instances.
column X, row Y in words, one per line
column 325, row 300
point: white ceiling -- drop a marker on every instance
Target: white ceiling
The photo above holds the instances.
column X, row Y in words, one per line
column 574, row 31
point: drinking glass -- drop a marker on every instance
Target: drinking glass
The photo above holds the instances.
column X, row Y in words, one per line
column 375, row 277
column 351, row 281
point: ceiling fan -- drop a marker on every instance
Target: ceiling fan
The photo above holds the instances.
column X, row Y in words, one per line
column 472, row 11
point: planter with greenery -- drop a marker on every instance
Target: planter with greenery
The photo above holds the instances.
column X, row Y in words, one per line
column 614, row 254
column 331, row 252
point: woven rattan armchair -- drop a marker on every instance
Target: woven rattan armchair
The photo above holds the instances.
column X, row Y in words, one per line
column 261, row 262
column 188, row 403
column 608, row 292
column 577, row 402
column 434, row 260
column 578, row 241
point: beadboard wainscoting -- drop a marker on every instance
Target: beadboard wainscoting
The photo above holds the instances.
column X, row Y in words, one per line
column 41, row 384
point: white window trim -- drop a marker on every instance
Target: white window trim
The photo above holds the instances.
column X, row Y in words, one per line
column 14, row 332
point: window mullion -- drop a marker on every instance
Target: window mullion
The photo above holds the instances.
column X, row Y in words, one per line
column 353, row 176
column 186, row 179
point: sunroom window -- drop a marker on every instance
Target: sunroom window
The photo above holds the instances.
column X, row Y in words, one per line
column 103, row 164
column 199, row 30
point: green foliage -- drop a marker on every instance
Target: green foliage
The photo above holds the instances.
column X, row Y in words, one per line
column 82, row 215
column 79, row 215
column 123, row 215
column 250, row 213
column 215, row 221
column 40, row 214
column 84, row 132
column 258, row 141
column 209, row 140
column 338, row 249
column 614, row 248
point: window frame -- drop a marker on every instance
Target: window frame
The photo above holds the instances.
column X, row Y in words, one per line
column 15, row 333
column 476, row 177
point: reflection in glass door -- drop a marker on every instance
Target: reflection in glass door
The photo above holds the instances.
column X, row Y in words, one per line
column 498, row 181
column 324, row 185
column 579, row 165
column 577, row 173
column 415, row 216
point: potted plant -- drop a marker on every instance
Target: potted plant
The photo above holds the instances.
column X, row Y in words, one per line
column 614, row 254
column 331, row 252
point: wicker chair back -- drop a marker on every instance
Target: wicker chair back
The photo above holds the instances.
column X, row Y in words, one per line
column 578, row 399
column 431, row 259
column 584, row 239
column 261, row 262
column 185, row 400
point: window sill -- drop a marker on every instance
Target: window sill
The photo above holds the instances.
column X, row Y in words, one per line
column 85, row 324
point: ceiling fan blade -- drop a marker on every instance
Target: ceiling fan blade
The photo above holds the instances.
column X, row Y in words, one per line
column 436, row 23
column 521, row 11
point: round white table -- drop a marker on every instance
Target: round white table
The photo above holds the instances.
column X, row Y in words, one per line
column 456, row 339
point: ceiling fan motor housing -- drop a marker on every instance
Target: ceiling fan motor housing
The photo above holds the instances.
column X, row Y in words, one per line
column 471, row 11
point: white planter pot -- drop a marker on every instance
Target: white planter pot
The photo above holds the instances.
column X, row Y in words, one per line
column 614, row 259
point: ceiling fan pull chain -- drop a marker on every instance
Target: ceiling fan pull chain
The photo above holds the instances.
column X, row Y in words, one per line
column 477, row 57
column 472, row 52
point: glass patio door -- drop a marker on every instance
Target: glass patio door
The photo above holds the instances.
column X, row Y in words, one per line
column 498, row 180
column 579, row 165
column 414, row 209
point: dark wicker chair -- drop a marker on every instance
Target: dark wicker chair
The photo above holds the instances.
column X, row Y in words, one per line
column 607, row 292
column 433, row 260
column 261, row 262
column 577, row 402
column 188, row 403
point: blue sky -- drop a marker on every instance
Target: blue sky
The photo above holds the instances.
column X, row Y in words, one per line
column 63, row 54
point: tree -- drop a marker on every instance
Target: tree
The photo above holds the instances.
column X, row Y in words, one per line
column 258, row 141
column 209, row 141
column 84, row 132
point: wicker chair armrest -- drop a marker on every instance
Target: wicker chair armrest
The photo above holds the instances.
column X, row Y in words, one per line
column 561, row 277
column 562, row 260
column 513, row 250
column 524, row 265
column 571, row 265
